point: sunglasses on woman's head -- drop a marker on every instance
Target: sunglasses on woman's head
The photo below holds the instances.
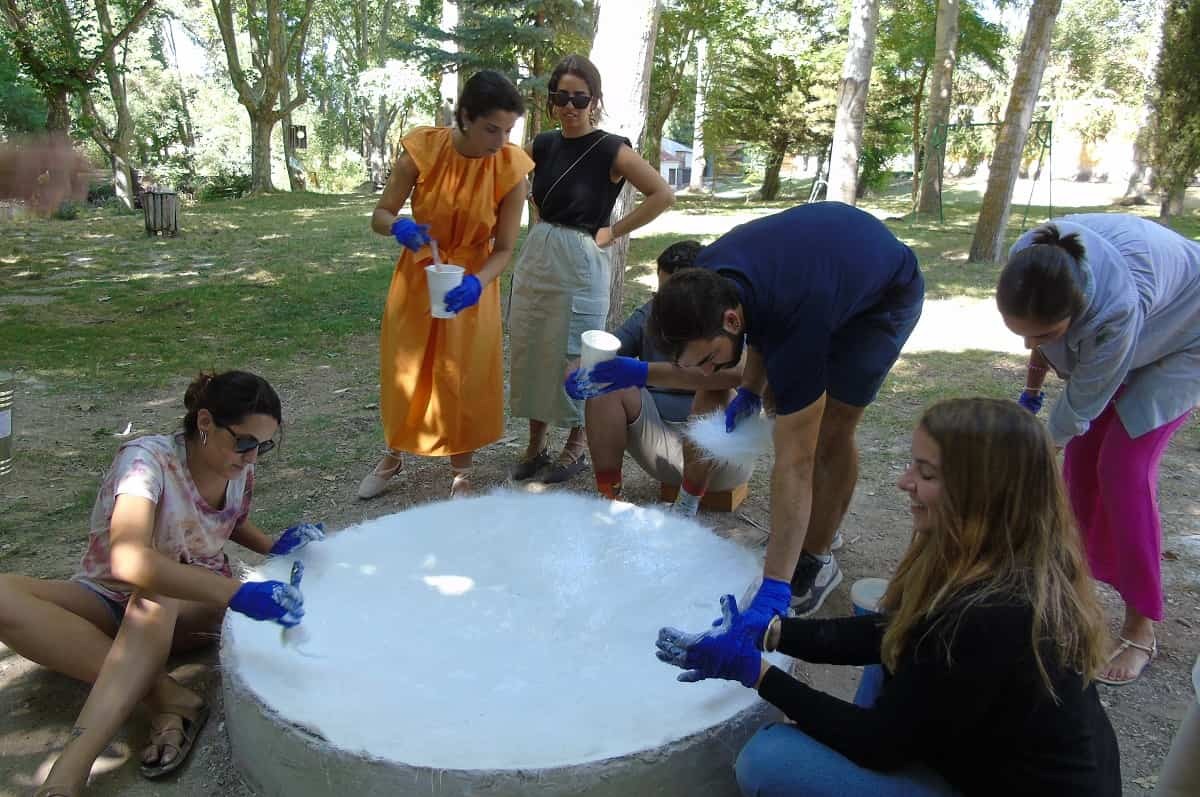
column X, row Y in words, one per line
column 245, row 443
column 561, row 98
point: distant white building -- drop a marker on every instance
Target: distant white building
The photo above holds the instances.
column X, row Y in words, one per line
column 675, row 163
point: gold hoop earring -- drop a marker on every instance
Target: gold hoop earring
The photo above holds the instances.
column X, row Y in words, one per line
column 204, row 438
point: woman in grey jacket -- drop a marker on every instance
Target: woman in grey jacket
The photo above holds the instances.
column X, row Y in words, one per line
column 1112, row 303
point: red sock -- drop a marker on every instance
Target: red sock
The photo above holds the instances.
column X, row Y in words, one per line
column 694, row 489
column 608, row 482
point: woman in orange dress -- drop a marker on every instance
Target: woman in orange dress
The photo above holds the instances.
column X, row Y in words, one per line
column 442, row 380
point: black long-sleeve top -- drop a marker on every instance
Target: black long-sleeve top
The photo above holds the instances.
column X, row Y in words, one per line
column 985, row 723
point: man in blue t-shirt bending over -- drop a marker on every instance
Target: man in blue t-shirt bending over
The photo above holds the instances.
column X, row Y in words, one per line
column 824, row 297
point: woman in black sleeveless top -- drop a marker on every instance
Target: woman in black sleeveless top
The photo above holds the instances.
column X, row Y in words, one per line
column 561, row 279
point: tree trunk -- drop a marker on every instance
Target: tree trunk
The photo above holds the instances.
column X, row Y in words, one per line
column 623, row 51
column 852, row 102
column 376, row 128
column 188, row 133
column 122, row 174
column 770, row 186
column 916, row 135
column 1172, row 201
column 295, row 169
column 940, row 88
column 58, row 112
column 119, row 141
column 1139, row 178
column 660, row 110
column 652, row 151
column 699, row 161
column 819, row 194
column 261, row 127
column 988, row 244
column 277, row 40
column 450, row 80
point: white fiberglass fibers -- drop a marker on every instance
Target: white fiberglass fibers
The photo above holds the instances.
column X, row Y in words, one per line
column 507, row 631
column 749, row 440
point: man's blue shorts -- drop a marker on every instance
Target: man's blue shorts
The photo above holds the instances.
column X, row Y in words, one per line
column 862, row 353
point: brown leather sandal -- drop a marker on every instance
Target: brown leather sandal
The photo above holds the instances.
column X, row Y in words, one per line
column 193, row 718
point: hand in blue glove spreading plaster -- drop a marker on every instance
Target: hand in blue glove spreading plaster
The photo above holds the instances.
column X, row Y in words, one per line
column 297, row 537
column 745, row 404
column 269, row 600
column 773, row 599
column 720, row 652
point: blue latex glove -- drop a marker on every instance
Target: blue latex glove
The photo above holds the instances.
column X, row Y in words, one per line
column 1032, row 403
column 773, row 598
column 297, row 537
column 269, row 600
column 409, row 234
column 615, row 374
column 465, row 295
column 744, row 404
column 718, row 653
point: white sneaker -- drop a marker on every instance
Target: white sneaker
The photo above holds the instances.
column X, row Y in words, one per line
column 377, row 481
column 812, row 583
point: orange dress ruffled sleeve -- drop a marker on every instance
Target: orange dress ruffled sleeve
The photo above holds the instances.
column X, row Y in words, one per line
column 442, row 380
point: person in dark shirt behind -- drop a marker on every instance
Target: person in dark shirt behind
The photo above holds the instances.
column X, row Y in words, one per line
column 990, row 637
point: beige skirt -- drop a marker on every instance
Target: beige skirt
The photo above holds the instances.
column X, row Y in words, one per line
column 559, row 290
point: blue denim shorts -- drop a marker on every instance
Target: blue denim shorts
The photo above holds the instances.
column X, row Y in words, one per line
column 116, row 608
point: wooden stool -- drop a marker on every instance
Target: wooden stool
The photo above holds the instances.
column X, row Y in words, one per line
column 722, row 501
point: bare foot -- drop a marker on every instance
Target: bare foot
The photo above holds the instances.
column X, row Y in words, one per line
column 166, row 727
column 461, row 486
column 1126, row 662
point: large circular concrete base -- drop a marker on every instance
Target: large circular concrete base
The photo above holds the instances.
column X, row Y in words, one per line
column 493, row 647
column 279, row 759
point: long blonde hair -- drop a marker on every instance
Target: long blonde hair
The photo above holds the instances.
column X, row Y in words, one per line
column 1002, row 531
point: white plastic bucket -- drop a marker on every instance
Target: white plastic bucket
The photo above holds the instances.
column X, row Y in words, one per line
column 866, row 593
column 442, row 279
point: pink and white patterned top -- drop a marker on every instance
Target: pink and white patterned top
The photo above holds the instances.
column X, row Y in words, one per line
column 186, row 528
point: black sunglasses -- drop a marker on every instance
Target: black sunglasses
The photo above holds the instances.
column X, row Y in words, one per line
column 245, row 443
column 561, row 98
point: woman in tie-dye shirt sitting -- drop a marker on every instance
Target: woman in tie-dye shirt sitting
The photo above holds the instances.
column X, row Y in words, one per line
column 155, row 580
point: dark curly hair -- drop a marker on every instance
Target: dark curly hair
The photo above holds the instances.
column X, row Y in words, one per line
column 229, row 397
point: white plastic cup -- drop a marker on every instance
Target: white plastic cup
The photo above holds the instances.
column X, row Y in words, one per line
column 442, row 279
column 866, row 594
column 596, row 346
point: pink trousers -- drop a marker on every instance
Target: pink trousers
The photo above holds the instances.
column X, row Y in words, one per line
column 1112, row 481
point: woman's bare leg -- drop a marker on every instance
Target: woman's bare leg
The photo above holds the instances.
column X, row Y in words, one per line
column 460, row 466
column 61, row 625
column 66, row 627
column 537, row 438
column 132, row 670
